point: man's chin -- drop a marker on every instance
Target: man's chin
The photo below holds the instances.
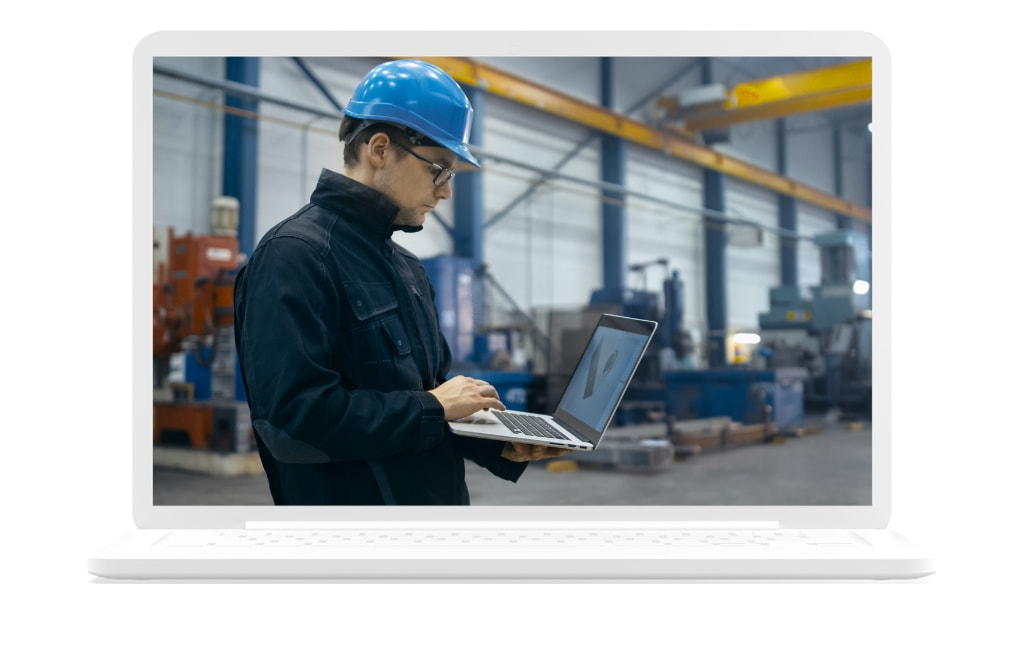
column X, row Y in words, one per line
column 410, row 222
column 411, row 218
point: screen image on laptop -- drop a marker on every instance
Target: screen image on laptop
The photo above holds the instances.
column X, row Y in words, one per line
column 732, row 189
column 605, row 368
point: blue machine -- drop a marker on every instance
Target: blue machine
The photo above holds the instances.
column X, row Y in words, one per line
column 745, row 396
column 459, row 300
column 214, row 372
column 643, row 304
column 459, row 303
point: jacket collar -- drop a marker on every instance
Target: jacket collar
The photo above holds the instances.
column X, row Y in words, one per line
column 358, row 204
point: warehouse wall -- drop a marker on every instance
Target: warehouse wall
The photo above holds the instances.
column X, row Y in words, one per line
column 187, row 147
column 545, row 251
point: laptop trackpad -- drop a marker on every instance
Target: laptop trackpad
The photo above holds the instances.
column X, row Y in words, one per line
column 479, row 418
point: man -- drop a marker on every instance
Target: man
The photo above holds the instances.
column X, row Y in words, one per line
column 341, row 352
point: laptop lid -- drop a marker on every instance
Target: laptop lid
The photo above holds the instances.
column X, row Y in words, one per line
column 160, row 46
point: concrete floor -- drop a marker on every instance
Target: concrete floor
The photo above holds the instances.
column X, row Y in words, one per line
column 832, row 466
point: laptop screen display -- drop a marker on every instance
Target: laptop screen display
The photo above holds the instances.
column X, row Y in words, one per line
column 601, row 378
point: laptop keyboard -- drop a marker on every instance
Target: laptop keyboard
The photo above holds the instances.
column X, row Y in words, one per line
column 529, row 425
column 525, row 538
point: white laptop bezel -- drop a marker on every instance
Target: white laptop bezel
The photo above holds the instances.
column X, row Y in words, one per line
column 875, row 515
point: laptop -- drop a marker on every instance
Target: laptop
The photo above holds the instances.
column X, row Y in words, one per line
column 594, row 391
column 561, row 540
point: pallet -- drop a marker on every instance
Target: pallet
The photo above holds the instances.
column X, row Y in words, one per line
column 207, row 462
column 630, row 451
column 745, row 434
column 799, row 432
column 696, row 436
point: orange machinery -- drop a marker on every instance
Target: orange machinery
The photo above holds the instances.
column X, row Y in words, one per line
column 193, row 311
column 193, row 290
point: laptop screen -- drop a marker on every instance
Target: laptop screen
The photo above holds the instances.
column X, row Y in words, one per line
column 604, row 371
column 645, row 177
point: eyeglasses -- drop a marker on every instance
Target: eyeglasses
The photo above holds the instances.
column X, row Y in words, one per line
column 442, row 175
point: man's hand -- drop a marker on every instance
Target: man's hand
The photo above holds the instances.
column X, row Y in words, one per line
column 461, row 396
column 525, row 452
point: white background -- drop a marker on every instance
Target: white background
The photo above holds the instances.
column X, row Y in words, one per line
column 66, row 292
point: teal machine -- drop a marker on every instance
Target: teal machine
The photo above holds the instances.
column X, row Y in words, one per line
column 830, row 333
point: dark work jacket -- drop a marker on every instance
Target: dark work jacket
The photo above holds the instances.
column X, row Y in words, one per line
column 339, row 342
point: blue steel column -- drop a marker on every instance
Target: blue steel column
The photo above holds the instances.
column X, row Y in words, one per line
column 787, row 213
column 714, row 255
column 868, row 155
column 613, row 212
column 714, row 268
column 241, row 142
column 842, row 221
column 468, row 235
column 871, row 249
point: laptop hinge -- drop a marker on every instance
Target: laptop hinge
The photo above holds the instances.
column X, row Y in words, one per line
column 497, row 524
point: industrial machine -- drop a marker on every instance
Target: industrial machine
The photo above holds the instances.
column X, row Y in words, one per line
column 481, row 347
column 830, row 333
column 672, row 345
column 198, row 399
column 674, row 388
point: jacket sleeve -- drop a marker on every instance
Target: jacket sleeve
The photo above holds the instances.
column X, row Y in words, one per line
column 288, row 321
column 487, row 454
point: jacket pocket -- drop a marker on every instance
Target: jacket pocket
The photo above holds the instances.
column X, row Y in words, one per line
column 368, row 300
column 378, row 348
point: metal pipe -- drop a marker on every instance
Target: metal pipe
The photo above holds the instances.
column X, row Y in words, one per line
column 316, row 82
column 586, row 141
column 245, row 91
column 712, row 214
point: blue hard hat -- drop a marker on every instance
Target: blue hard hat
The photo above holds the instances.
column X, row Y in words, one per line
column 420, row 96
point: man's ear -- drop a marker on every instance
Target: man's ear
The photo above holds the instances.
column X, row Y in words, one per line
column 376, row 148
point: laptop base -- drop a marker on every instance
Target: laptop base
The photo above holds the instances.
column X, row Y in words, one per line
column 142, row 555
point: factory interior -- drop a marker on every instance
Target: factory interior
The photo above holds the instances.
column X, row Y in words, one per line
column 726, row 198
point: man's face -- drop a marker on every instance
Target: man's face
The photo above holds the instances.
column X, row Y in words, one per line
column 409, row 181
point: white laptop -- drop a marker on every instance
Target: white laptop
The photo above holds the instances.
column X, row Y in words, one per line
column 594, row 391
column 675, row 541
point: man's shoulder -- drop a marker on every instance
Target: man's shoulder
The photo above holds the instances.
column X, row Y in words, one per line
column 405, row 252
column 307, row 225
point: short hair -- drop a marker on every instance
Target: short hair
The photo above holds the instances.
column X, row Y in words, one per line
column 354, row 133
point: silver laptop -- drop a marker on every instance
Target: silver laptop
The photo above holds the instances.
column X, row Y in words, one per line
column 595, row 389
column 560, row 540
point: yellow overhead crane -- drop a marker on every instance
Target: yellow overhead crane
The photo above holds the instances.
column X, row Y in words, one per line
column 678, row 144
column 779, row 96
